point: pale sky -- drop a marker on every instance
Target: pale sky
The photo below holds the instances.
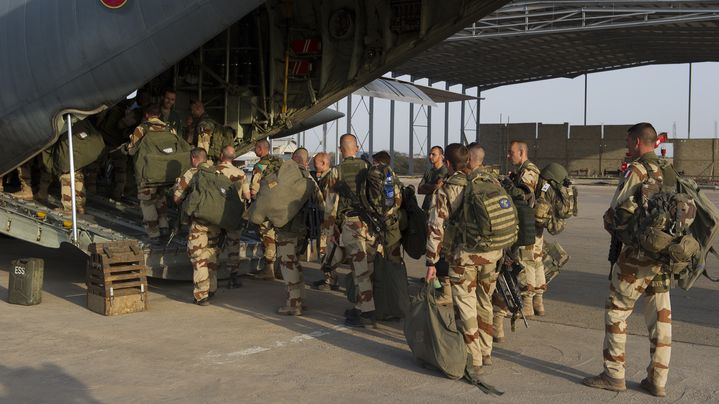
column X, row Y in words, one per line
column 657, row 94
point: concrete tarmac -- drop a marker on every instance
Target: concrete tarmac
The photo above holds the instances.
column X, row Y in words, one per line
column 239, row 350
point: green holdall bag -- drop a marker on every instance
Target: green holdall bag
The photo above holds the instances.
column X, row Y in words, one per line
column 87, row 142
column 160, row 158
column 391, row 299
column 214, row 199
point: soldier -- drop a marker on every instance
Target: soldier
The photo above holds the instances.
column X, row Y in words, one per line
column 203, row 126
column 636, row 274
column 168, row 114
column 473, row 275
column 267, row 232
column 289, row 243
column 25, row 176
column 345, row 228
column 203, row 238
column 322, row 165
column 532, row 280
column 232, row 238
column 153, row 202
column 116, row 125
column 392, row 248
column 433, row 177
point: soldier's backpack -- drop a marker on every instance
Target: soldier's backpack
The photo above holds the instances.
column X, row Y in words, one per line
column 160, row 158
column 221, row 137
column 556, row 198
column 214, row 199
column 671, row 221
column 487, row 219
column 377, row 198
column 284, row 191
column 414, row 234
column 87, row 142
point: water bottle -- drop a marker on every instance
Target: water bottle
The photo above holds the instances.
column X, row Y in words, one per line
column 388, row 191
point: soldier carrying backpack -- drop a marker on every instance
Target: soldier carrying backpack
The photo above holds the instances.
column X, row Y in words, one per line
column 474, row 219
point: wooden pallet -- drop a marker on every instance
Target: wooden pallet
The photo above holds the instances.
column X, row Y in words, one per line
column 116, row 278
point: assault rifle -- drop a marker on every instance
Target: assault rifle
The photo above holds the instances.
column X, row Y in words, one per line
column 508, row 288
column 313, row 219
column 374, row 225
column 615, row 247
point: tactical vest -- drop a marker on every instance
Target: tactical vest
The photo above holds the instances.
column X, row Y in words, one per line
column 353, row 172
column 487, row 219
column 525, row 209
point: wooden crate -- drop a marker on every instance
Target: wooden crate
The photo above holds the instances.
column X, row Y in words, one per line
column 116, row 278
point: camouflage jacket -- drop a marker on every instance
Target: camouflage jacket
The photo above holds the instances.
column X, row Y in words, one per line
column 235, row 175
column 444, row 202
column 528, row 175
column 257, row 175
column 183, row 183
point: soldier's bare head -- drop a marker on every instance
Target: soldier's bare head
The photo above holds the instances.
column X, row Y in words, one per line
column 197, row 108
column 262, row 148
column 348, row 145
column 518, row 152
column 301, row 156
column 322, row 162
column 228, row 153
column 198, row 155
column 455, row 155
column 382, row 158
column 641, row 139
column 436, row 156
column 152, row 111
column 168, row 98
column 476, row 156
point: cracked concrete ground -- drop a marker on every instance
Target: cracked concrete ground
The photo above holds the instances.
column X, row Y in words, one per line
column 238, row 349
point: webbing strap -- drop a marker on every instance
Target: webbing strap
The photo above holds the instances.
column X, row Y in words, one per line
column 705, row 273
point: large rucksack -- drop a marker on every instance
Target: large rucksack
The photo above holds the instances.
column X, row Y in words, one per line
column 670, row 220
column 284, row 191
column 221, row 137
column 87, row 143
column 556, row 198
column 487, row 220
column 389, row 289
column 377, row 194
column 160, row 158
column 214, row 199
column 414, row 234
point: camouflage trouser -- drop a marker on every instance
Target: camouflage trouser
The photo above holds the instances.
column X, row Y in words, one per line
column 360, row 245
column 119, row 174
column 531, row 279
column 202, row 242
column 25, row 174
column 472, row 289
column 153, row 205
column 291, row 268
column 66, row 192
column 43, row 186
column 393, row 253
column 269, row 241
column 630, row 278
column 234, row 250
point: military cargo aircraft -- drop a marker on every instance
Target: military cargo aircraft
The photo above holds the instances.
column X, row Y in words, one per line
column 267, row 69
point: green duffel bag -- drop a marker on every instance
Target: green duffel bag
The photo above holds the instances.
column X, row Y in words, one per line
column 433, row 336
column 160, row 158
column 283, row 193
column 214, row 199
column 87, row 143
column 389, row 284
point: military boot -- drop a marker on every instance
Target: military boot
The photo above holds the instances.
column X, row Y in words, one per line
column 446, row 298
column 652, row 388
column 606, row 382
column 289, row 310
column 498, row 324
column 538, row 305
column 25, row 192
column 527, row 306
column 267, row 273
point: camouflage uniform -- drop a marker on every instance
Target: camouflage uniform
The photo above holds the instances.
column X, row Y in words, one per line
column 473, row 275
column 232, row 238
column 531, row 279
column 25, row 176
column 392, row 247
column 153, row 201
column 267, row 232
column 66, row 192
column 637, row 274
column 202, row 244
column 289, row 239
column 354, row 237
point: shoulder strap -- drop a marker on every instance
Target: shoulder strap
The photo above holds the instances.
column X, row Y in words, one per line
column 705, row 273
